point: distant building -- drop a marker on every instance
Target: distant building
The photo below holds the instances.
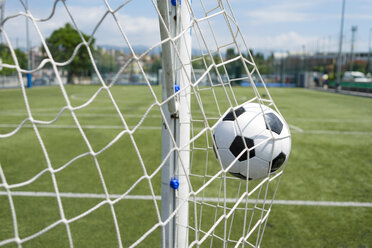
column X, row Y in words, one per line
column 290, row 67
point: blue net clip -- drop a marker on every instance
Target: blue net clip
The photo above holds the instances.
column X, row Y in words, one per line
column 174, row 183
column 174, row 3
column 176, row 88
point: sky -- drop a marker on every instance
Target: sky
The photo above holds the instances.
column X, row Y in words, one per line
column 267, row 25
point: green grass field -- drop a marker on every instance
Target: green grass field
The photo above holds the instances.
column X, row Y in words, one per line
column 331, row 160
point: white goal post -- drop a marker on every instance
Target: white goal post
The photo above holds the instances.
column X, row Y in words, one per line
column 175, row 21
column 145, row 165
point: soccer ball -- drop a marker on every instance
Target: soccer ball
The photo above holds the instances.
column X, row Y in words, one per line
column 258, row 139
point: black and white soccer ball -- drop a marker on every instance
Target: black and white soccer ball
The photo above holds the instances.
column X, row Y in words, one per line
column 256, row 137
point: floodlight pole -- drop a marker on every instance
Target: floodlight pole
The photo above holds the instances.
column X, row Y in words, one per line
column 29, row 75
column 339, row 57
column 369, row 69
column 2, row 6
column 353, row 30
column 176, row 56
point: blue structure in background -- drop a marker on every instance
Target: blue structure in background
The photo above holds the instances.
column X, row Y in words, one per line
column 29, row 80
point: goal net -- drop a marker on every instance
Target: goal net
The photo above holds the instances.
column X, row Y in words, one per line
column 110, row 158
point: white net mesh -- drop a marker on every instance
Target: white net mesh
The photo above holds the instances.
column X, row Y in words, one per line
column 81, row 165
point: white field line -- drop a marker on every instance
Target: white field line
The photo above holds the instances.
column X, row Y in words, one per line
column 294, row 129
column 205, row 199
column 83, row 126
column 47, row 112
column 85, row 97
column 80, row 115
column 329, row 120
column 24, row 114
column 337, row 132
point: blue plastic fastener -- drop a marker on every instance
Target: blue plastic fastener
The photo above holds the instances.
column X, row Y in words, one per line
column 174, row 2
column 176, row 88
column 174, row 183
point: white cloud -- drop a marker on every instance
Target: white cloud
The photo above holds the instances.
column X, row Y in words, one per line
column 284, row 41
column 283, row 11
column 367, row 17
column 140, row 30
column 277, row 16
column 267, row 24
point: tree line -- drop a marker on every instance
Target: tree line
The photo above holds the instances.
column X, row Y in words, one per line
column 65, row 44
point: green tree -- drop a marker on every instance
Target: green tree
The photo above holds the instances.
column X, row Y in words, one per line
column 358, row 65
column 230, row 67
column 156, row 64
column 202, row 62
column 105, row 61
column 62, row 44
column 235, row 68
column 205, row 61
column 265, row 65
column 6, row 56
